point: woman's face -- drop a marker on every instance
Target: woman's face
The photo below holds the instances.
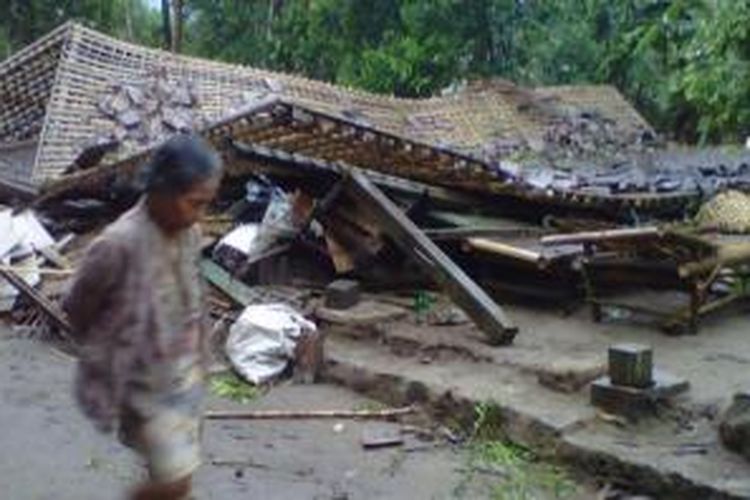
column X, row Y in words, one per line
column 180, row 211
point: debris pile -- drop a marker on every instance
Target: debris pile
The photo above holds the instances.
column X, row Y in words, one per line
column 588, row 134
column 330, row 191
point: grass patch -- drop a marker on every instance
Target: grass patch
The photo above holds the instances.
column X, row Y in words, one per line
column 229, row 385
column 521, row 475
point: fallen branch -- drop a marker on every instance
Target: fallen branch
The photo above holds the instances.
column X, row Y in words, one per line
column 310, row 414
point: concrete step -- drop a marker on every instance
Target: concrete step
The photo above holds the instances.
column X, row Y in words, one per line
column 658, row 455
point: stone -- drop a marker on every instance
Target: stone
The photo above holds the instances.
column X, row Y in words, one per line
column 734, row 428
column 634, row 402
column 570, row 376
column 379, row 436
column 342, row 294
column 631, row 365
column 365, row 313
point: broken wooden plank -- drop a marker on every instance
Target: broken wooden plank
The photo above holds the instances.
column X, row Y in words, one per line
column 488, row 316
column 56, row 316
column 233, row 288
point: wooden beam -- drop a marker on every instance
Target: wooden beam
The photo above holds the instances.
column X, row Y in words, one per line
column 462, row 233
column 488, row 316
column 233, row 288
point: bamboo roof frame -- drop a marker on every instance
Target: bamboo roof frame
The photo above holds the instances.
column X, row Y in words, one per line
column 49, row 92
column 304, row 136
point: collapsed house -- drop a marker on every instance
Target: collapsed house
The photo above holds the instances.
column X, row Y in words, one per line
column 560, row 193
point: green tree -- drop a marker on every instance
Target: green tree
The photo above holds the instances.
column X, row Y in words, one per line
column 27, row 20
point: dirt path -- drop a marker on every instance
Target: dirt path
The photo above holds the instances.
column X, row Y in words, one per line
column 49, row 451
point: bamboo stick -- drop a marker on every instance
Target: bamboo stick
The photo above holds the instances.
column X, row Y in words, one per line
column 605, row 236
column 492, row 246
column 309, row 414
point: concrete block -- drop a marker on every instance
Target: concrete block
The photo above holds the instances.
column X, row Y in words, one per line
column 342, row 294
column 631, row 365
column 634, row 402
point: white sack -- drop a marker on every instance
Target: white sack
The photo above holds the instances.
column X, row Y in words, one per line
column 262, row 340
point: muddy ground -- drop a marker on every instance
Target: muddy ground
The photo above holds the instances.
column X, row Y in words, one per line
column 50, row 452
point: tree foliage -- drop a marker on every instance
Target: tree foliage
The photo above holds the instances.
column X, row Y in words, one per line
column 684, row 63
column 26, row 20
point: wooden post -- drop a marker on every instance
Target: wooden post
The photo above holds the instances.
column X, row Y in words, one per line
column 631, row 365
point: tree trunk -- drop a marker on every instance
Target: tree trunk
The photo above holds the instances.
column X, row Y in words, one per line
column 129, row 20
column 177, row 18
column 166, row 20
column 274, row 11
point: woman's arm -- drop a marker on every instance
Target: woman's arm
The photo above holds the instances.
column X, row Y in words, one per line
column 93, row 285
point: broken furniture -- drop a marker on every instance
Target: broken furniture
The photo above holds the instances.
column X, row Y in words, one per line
column 708, row 267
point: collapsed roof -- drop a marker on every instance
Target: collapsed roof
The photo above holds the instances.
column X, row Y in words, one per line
column 77, row 89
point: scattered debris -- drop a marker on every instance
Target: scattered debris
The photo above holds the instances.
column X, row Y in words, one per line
column 380, row 436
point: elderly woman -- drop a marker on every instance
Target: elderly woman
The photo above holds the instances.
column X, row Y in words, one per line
column 136, row 308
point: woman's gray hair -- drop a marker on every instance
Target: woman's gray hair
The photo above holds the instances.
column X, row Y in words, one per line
column 180, row 163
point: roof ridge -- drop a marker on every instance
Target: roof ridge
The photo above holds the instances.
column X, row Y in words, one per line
column 289, row 77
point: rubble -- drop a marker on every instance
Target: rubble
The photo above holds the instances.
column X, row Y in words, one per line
column 735, row 425
column 144, row 112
